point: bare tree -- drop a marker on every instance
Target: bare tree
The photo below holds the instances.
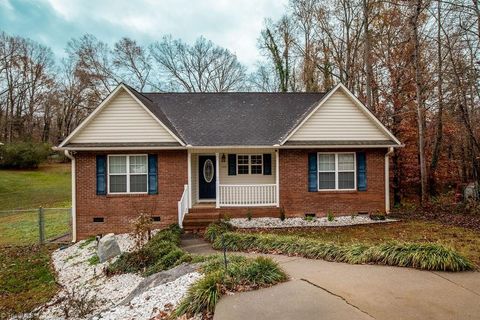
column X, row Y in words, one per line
column 201, row 67
column 132, row 62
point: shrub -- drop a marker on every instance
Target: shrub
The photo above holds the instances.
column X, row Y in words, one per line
column 23, row 155
column 216, row 229
column 249, row 214
column 309, row 218
column 330, row 216
column 158, row 254
column 416, row 255
column 282, row 213
column 242, row 273
column 141, row 228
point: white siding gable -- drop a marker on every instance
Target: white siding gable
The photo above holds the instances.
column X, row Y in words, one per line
column 339, row 118
column 123, row 120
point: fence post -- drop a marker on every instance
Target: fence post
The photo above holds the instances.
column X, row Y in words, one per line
column 41, row 226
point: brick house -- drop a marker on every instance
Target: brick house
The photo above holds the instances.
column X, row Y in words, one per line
column 188, row 158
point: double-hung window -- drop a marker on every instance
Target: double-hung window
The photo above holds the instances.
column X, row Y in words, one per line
column 336, row 171
column 127, row 174
column 250, row 164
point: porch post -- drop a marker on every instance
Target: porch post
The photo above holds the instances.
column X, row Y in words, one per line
column 277, row 176
column 217, row 181
column 189, row 178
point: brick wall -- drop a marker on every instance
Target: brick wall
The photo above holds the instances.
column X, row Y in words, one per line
column 296, row 200
column 118, row 210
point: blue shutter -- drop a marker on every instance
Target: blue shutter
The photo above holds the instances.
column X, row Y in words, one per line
column 232, row 164
column 102, row 175
column 152, row 174
column 312, row 172
column 361, row 171
column 267, row 164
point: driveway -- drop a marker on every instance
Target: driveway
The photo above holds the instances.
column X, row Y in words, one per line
column 329, row 290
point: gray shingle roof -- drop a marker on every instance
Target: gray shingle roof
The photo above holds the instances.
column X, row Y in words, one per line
column 230, row 119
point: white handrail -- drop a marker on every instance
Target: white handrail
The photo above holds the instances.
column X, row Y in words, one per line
column 183, row 206
column 239, row 195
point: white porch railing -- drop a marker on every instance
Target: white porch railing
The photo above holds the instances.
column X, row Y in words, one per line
column 238, row 195
column 183, row 206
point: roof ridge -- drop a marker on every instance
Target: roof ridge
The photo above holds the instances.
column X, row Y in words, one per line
column 234, row 92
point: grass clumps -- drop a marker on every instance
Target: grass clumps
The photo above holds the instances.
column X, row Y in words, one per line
column 242, row 274
column 427, row 256
column 158, row 254
column 216, row 229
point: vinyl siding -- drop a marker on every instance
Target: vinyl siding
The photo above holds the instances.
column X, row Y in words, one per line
column 123, row 120
column 237, row 179
column 339, row 118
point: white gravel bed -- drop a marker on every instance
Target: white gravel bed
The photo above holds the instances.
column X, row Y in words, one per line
column 80, row 278
column 151, row 302
column 244, row 223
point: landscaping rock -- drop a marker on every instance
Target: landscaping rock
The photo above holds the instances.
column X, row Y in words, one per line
column 471, row 192
column 160, row 278
column 108, row 248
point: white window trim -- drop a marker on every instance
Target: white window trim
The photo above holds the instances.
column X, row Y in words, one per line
column 249, row 165
column 127, row 173
column 337, row 171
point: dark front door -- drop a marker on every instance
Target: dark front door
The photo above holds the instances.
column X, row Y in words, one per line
column 206, row 177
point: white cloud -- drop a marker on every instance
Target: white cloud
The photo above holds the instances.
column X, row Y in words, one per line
column 235, row 25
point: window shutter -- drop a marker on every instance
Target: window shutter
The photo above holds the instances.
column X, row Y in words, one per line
column 267, row 164
column 152, row 174
column 312, row 172
column 232, row 164
column 102, row 175
column 361, row 171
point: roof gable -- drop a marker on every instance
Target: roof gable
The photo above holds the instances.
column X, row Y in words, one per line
column 340, row 116
column 121, row 118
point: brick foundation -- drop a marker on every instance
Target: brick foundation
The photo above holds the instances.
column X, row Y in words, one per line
column 118, row 210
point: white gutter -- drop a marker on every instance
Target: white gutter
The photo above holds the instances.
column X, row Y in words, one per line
column 387, row 179
column 74, row 198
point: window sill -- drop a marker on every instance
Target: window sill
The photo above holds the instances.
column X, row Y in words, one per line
column 338, row 191
column 129, row 195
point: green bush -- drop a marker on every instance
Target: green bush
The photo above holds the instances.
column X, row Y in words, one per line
column 416, row 255
column 330, row 216
column 23, row 155
column 216, row 229
column 158, row 254
column 241, row 273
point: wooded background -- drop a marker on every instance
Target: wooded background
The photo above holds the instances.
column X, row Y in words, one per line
column 415, row 64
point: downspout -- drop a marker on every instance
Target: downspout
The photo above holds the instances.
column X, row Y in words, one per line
column 387, row 179
column 74, row 198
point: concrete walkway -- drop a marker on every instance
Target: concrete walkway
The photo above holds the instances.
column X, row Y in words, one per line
column 328, row 290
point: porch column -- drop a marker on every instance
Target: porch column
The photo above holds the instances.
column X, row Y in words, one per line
column 217, row 181
column 189, row 178
column 277, row 176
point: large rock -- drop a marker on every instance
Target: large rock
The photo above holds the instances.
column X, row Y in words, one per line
column 470, row 193
column 160, row 278
column 108, row 248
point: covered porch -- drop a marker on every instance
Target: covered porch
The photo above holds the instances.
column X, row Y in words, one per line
column 222, row 178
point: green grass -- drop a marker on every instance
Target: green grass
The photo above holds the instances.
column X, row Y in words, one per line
column 428, row 256
column 47, row 186
column 26, row 278
column 242, row 274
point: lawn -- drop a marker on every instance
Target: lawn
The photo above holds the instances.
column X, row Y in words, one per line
column 465, row 241
column 49, row 186
column 27, row 279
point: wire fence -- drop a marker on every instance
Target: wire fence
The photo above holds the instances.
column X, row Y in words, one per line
column 31, row 226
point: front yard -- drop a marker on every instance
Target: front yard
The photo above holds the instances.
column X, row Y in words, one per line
column 465, row 241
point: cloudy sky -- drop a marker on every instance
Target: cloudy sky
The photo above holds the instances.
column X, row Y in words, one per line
column 234, row 24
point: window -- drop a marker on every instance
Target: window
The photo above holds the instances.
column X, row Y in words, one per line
column 250, row 164
column 127, row 174
column 336, row 171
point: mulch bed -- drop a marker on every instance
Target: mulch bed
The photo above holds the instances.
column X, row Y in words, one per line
column 465, row 220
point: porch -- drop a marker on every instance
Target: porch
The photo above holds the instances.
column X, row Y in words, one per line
column 230, row 178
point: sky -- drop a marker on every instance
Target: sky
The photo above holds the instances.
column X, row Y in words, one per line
column 233, row 24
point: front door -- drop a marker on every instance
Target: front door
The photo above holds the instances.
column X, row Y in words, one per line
column 206, row 177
